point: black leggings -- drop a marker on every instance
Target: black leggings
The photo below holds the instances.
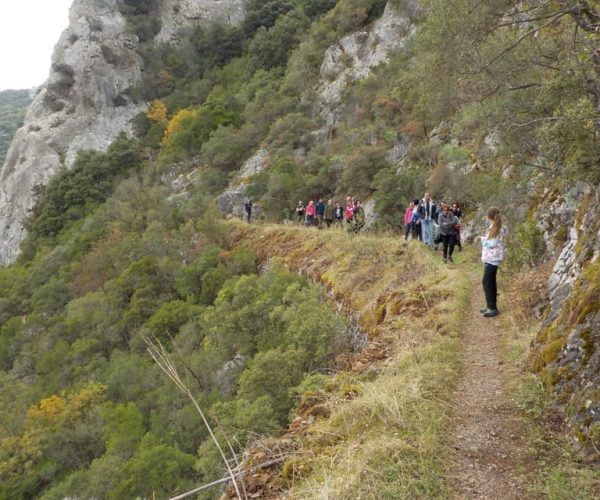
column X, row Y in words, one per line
column 448, row 240
column 489, row 285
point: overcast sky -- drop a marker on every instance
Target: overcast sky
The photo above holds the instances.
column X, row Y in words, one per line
column 29, row 29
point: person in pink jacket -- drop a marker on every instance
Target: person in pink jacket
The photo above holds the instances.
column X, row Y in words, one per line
column 311, row 211
column 408, row 218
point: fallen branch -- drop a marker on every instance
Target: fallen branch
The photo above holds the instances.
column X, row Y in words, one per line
column 228, row 478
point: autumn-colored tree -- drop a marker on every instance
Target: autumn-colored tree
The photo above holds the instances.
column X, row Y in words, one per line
column 157, row 112
column 183, row 118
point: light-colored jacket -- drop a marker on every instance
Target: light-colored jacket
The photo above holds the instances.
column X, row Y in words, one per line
column 492, row 249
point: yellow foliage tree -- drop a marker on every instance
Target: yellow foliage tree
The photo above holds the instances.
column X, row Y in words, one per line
column 175, row 124
column 157, row 112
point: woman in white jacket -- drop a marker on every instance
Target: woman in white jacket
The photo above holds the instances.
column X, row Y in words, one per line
column 492, row 254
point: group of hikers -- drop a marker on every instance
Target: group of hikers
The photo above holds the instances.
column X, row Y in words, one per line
column 321, row 214
column 433, row 225
column 423, row 221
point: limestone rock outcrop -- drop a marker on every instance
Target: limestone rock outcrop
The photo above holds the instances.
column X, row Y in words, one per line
column 84, row 104
column 177, row 15
column 355, row 55
column 567, row 349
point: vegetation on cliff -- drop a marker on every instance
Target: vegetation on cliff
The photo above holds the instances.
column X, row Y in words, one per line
column 13, row 104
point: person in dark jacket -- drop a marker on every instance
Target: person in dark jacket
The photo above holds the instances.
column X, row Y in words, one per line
column 248, row 207
column 339, row 213
column 415, row 222
column 329, row 213
column 320, row 212
column 446, row 221
column 358, row 220
column 458, row 212
column 300, row 211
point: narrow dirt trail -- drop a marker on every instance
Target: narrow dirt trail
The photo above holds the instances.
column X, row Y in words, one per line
column 489, row 438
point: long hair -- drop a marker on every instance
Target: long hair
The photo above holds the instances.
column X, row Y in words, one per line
column 494, row 215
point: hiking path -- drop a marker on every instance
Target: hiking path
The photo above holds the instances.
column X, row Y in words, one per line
column 490, row 440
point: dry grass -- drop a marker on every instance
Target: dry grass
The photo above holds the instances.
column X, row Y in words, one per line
column 389, row 440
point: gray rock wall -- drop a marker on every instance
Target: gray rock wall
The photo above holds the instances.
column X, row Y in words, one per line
column 354, row 56
column 566, row 352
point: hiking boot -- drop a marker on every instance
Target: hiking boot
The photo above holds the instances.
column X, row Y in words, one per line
column 450, row 258
column 490, row 313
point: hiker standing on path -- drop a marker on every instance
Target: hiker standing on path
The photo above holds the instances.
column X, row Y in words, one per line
column 407, row 219
column 300, row 212
column 311, row 211
column 320, row 212
column 248, row 207
column 349, row 213
column 458, row 212
column 339, row 213
column 329, row 213
column 492, row 255
column 447, row 220
column 428, row 213
column 415, row 222
column 358, row 217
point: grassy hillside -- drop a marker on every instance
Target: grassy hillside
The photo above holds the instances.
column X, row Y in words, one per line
column 13, row 104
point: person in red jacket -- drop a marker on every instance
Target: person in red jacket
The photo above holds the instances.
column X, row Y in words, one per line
column 349, row 213
column 311, row 211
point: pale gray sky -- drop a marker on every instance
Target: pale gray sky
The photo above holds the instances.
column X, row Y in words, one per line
column 29, row 29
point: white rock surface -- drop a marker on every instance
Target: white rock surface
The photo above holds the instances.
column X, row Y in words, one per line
column 354, row 56
column 255, row 165
column 177, row 15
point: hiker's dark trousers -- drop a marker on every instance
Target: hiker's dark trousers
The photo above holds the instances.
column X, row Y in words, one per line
column 489, row 285
column 448, row 240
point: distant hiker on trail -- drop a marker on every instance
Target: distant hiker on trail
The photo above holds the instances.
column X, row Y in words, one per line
column 446, row 221
column 407, row 219
column 428, row 214
column 248, row 207
column 311, row 211
column 320, row 212
column 415, row 222
column 458, row 212
column 329, row 213
column 349, row 213
column 358, row 217
column 339, row 213
column 492, row 254
column 300, row 212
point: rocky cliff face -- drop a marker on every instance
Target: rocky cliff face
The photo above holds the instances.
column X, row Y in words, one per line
column 354, row 56
column 82, row 105
column 567, row 350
